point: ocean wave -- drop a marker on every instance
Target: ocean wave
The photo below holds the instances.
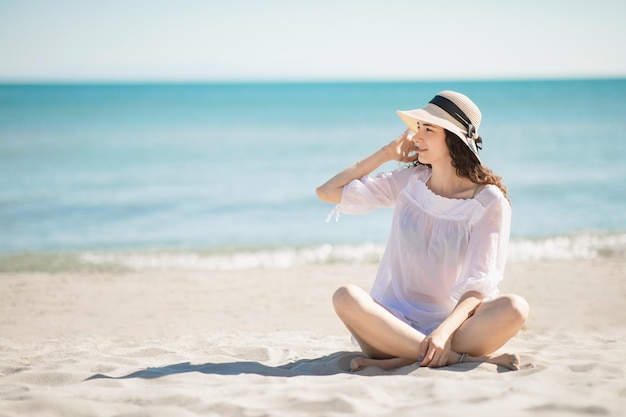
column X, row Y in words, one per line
column 248, row 259
column 569, row 247
column 558, row 248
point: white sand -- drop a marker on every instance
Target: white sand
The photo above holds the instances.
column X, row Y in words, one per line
column 267, row 343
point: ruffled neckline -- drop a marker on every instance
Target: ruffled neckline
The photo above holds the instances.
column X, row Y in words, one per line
column 452, row 208
column 431, row 193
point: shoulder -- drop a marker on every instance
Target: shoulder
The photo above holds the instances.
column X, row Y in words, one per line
column 491, row 196
column 495, row 213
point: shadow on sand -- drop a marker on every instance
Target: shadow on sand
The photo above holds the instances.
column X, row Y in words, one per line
column 332, row 364
column 335, row 363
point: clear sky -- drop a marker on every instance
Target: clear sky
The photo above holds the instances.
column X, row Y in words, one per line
column 210, row 40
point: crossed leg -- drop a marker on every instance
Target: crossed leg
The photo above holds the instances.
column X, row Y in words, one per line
column 388, row 342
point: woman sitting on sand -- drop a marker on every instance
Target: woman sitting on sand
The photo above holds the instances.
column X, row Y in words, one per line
column 435, row 299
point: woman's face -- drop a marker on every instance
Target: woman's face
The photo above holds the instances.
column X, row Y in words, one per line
column 431, row 143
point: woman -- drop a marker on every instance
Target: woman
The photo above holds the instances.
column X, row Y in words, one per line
column 435, row 299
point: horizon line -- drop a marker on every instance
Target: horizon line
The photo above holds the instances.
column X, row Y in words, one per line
column 225, row 81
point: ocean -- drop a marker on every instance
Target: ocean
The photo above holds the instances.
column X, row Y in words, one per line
column 223, row 176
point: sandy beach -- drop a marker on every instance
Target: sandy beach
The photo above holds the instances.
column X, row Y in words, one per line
column 266, row 342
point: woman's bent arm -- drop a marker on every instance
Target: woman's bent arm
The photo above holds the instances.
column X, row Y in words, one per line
column 398, row 150
column 435, row 348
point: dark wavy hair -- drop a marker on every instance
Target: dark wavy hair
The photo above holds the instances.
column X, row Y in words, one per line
column 467, row 164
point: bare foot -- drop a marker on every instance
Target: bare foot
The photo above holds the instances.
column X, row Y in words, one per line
column 507, row 360
column 361, row 362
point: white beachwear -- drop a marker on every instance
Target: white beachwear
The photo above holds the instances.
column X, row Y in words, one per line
column 438, row 249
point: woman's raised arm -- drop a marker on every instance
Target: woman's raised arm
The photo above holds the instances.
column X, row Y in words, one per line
column 398, row 149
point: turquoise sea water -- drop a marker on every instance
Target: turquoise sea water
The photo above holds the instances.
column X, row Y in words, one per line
column 223, row 175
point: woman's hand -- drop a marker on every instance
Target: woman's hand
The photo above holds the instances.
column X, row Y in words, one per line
column 435, row 349
column 402, row 148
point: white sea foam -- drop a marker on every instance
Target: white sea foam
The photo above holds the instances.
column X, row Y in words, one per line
column 270, row 258
column 580, row 246
column 558, row 248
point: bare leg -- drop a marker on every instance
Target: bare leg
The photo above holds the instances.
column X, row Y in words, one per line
column 380, row 334
column 491, row 326
column 389, row 343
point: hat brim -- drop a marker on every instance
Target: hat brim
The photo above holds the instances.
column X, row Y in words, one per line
column 436, row 116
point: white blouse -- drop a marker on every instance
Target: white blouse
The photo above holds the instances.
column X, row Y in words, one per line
column 438, row 249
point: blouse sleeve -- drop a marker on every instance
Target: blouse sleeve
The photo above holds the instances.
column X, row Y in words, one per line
column 369, row 193
column 485, row 259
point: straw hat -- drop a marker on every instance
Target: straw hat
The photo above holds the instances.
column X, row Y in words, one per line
column 454, row 112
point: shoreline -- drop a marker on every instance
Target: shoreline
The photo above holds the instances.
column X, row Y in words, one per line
column 571, row 247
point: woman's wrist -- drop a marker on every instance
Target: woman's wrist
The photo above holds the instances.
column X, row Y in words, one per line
column 362, row 172
column 388, row 153
column 367, row 165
